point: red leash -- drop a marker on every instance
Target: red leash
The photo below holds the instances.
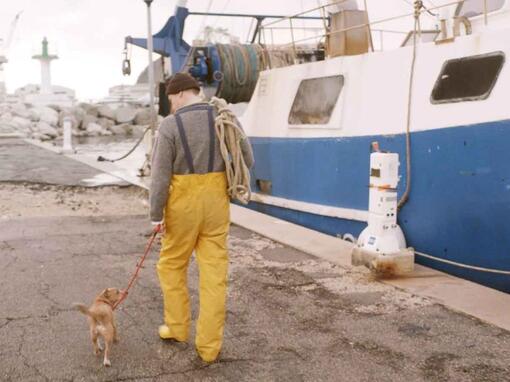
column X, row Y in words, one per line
column 155, row 232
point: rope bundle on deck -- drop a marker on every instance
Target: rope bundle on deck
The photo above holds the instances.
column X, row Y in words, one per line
column 241, row 65
column 230, row 136
column 240, row 69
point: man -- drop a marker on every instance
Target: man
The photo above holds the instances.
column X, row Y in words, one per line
column 188, row 194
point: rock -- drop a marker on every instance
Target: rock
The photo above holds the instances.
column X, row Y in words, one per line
column 20, row 110
column 46, row 129
column 21, row 123
column 117, row 130
column 78, row 133
column 47, row 114
column 106, row 111
column 41, row 137
column 6, row 128
column 34, row 115
column 79, row 113
column 6, row 116
column 75, row 113
column 138, row 130
column 89, row 109
column 124, row 129
column 106, row 123
column 93, row 111
column 85, row 106
column 89, row 119
column 75, row 123
column 128, row 128
column 143, row 116
column 57, row 108
column 93, row 129
column 125, row 114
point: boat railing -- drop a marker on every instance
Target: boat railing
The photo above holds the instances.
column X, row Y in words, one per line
column 418, row 10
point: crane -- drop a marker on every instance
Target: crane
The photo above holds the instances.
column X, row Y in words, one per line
column 4, row 48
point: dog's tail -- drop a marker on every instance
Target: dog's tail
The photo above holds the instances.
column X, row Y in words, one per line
column 82, row 308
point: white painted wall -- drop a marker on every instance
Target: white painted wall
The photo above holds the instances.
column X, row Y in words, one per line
column 374, row 98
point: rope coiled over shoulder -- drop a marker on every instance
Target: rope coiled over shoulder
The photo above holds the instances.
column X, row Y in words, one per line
column 230, row 136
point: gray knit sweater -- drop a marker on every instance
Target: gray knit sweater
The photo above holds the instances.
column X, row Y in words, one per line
column 169, row 156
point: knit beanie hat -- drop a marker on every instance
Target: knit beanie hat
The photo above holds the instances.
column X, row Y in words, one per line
column 180, row 82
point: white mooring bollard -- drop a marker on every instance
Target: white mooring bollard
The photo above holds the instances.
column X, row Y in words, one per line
column 382, row 245
column 67, row 146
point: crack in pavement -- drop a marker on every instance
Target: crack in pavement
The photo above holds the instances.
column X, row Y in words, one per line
column 19, row 318
column 285, row 334
column 283, row 285
column 13, row 257
column 200, row 366
column 25, row 359
column 51, row 313
column 7, row 322
column 138, row 328
column 5, row 245
column 44, row 291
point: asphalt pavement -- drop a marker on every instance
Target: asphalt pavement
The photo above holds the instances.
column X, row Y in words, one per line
column 291, row 317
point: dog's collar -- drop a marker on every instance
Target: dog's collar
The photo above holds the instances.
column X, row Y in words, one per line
column 105, row 301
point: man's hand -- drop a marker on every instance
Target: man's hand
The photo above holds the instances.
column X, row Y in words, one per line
column 159, row 226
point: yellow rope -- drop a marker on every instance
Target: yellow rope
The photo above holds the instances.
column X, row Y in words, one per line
column 230, row 136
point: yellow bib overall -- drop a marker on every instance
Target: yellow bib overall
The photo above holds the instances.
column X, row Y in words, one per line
column 197, row 218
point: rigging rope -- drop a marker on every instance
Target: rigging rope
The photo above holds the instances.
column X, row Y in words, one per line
column 428, row 12
column 230, row 135
column 461, row 265
column 417, row 30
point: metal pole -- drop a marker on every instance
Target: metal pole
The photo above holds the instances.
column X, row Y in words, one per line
column 485, row 12
column 368, row 27
column 150, row 49
column 293, row 43
column 325, row 25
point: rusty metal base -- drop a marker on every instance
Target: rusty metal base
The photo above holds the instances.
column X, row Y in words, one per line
column 385, row 264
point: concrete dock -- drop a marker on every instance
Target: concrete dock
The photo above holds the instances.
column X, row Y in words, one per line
column 296, row 310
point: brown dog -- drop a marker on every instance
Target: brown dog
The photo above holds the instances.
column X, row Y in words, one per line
column 101, row 321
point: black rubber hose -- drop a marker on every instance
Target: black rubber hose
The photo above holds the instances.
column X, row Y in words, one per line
column 103, row 159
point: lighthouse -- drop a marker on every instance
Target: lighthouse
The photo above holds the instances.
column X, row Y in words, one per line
column 45, row 59
column 46, row 93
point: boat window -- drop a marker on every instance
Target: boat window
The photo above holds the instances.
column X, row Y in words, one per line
column 315, row 100
column 468, row 78
column 471, row 8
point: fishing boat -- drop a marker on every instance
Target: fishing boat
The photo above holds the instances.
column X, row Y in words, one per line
column 440, row 101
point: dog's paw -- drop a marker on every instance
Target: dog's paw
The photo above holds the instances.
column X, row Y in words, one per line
column 107, row 363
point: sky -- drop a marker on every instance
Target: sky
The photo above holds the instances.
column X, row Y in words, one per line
column 88, row 35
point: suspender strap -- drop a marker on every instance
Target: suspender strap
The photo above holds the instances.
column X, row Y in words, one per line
column 185, row 145
column 212, row 141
